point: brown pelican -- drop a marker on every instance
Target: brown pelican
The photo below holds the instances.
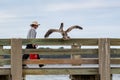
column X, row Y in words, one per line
column 64, row 33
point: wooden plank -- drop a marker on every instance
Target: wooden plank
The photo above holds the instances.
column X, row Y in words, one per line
column 59, row 61
column 58, row 41
column 115, row 41
column 5, row 51
column 1, row 56
column 5, row 71
column 16, row 59
column 53, row 61
column 62, row 61
column 115, row 61
column 66, row 71
column 60, row 71
column 60, row 51
column 5, row 42
column 89, row 61
column 81, row 41
column 115, row 70
column 95, row 61
column 5, row 61
column 48, row 71
column 115, row 51
column 104, row 59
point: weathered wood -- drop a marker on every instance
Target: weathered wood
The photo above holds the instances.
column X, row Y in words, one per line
column 54, row 61
column 75, row 47
column 5, row 51
column 5, row 71
column 115, row 70
column 115, row 61
column 89, row 60
column 65, row 61
column 16, row 59
column 81, row 77
column 4, row 61
column 5, row 42
column 60, row 71
column 115, row 51
column 114, row 41
column 41, row 41
column 104, row 59
column 66, row 71
column 61, row 51
column 58, row 41
column 1, row 56
column 104, row 55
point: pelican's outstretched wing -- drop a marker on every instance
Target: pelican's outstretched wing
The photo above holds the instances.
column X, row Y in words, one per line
column 74, row 27
column 50, row 31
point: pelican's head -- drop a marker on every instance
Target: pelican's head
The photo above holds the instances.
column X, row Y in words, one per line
column 61, row 27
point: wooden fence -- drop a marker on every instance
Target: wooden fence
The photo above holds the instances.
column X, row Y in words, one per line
column 102, row 47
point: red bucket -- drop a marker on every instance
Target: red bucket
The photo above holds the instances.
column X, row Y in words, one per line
column 33, row 56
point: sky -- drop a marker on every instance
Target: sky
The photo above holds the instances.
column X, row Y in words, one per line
column 99, row 18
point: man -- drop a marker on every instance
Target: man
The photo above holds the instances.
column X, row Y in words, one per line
column 32, row 32
column 32, row 35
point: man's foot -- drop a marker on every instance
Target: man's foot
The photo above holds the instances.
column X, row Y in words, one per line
column 41, row 65
column 24, row 66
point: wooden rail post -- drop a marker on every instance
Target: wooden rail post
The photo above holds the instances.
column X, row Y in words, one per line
column 104, row 59
column 81, row 77
column 75, row 46
column 16, row 59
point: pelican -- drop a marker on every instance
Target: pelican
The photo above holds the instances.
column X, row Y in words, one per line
column 64, row 33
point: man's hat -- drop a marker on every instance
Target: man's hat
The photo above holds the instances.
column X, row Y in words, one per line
column 35, row 23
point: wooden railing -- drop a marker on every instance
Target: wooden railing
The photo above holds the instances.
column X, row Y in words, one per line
column 102, row 47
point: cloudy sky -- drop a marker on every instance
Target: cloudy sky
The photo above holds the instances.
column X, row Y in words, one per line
column 99, row 18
